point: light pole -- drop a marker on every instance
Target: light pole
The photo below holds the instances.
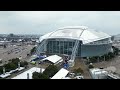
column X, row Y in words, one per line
column 98, row 58
column 4, row 70
column 28, row 76
column 104, row 57
column 18, row 65
column 40, row 70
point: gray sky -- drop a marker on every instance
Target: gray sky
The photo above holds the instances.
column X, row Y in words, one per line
column 41, row 22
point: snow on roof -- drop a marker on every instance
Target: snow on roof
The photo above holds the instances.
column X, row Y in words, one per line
column 30, row 71
column 76, row 32
column 54, row 58
column 60, row 74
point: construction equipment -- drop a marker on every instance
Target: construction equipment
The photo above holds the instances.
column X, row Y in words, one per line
column 41, row 47
column 74, row 51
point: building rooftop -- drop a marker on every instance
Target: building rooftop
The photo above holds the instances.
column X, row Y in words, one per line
column 53, row 58
column 30, row 71
column 61, row 74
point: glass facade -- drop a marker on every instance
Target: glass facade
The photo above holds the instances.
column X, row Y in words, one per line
column 60, row 46
column 95, row 50
column 103, row 41
column 65, row 46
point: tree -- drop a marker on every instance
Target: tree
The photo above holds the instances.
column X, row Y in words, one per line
column 43, row 76
column 111, row 55
column 115, row 50
column 15, row 61
column 7, row 67
column 90, row 66
column 51, row 70
column 33, row 50
column 13, row 64
column 93, row 59
column 1, row 70
column 37, row 75
column 79, row 70
column 10, row 66
column 23, row 63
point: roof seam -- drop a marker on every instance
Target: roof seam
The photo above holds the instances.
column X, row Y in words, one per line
column 53, row 32
column 82, row 32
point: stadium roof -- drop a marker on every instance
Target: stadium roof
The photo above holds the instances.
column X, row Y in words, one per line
column 78, row 33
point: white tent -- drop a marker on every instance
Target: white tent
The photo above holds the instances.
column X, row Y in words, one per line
column 61, row 74
column 54, row 59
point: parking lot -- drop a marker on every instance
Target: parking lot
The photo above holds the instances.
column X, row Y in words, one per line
column 113, row 62
column 14, row 52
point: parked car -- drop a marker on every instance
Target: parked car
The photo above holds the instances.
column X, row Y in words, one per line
column 79, row 77
column 33, row 62
column 40, row 62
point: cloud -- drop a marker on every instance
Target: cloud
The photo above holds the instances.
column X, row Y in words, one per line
column 34, row 22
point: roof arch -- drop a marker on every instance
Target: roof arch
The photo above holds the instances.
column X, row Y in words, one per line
column 83, row 33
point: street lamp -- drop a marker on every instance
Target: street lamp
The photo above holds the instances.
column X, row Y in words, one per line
column 104, row 57
column 18, row 65
column 4, row 70
column 28, row 76
column 40, row 70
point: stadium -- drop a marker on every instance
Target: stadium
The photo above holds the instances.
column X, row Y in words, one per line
column 75, row 41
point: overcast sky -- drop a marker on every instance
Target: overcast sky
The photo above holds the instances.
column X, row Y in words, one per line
column 41, row 22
